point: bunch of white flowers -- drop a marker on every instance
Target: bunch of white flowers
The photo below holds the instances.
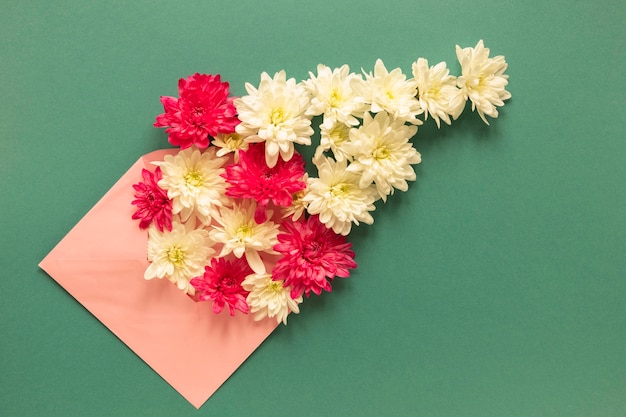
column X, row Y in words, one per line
column 364, row 152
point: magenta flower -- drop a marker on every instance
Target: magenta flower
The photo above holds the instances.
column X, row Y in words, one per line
column 312, row 256
column 221, row 283
column 203, row 109
column 153, row 205
column 252, row 178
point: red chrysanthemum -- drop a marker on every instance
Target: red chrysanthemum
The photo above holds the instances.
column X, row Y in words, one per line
column 203, row 109
column 221, row 283
column 153, row 205
column 252, row 178
column 312, row 256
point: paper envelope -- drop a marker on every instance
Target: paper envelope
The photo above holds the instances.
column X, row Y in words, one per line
column 101, row 263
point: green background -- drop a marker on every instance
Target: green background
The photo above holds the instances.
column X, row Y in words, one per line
column 495, row 286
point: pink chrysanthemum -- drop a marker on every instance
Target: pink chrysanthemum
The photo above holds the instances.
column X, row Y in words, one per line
column 252, row 178
column 152, row 203
column 203, row 109
column 221, row 283
column 312, row 256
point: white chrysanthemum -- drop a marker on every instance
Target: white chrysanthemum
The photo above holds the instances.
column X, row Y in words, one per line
column 437, row 91
column 230, row 142
column 275, row 114
column 383, row 154
column 334, row 138
column 483, row 80
column 193, row 183
column 333, row 95
column 269, row 298
column 393, row 93
column 241, row 235
column 338, row 198
column 179, row 255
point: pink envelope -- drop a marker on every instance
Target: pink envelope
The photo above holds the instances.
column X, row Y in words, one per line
column 101, row 263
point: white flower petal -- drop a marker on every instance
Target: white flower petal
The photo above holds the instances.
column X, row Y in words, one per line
column 255, row 262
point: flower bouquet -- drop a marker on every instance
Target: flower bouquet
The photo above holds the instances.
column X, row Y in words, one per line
column 236, row 220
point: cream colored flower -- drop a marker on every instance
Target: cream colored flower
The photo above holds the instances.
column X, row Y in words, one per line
column 483, row 80
column 269, row 298
column 241, row 235
column 437, row 91
column 393, row 93
column 338, row 197
column 193, row 183
column 275, row 114
column 333, row 95
column 179, row 255
column 230, row 142
column 334, row 138
column 383, row 154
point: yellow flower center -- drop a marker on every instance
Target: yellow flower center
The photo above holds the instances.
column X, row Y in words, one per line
column 434, row 92
column 338, row 135
column 278, row 116
column 381, row 153
column 479, row 83
column 193, row 179
column 390, row 95
column 243, row 232
column 296, row 198
column 335, row 98
column 233, row 141
column 176, row 255
column 339, row 190
column 275, row 286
